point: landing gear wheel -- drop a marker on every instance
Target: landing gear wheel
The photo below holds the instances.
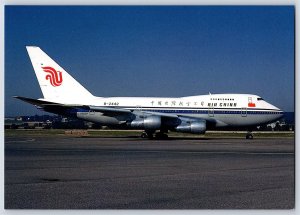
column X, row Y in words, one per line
column 249, row 136
column 144, row 135
column 147, row 135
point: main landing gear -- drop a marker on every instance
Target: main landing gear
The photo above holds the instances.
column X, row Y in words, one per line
column 249, row 135
column 159, row 135
column 147, row 135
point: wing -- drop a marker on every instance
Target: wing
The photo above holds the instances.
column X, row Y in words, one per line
column 109, row 110
column 170, row 120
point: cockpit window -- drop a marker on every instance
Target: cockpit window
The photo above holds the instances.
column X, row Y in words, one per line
column 259, row 99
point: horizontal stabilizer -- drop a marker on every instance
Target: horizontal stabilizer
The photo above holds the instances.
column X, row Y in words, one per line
column 34, row 101
column 44, row 103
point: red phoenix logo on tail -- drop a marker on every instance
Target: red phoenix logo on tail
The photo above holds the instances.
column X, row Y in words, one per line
column 54, row 76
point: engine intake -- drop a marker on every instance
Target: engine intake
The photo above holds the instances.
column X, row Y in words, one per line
column 192, row 127
column 147, row 123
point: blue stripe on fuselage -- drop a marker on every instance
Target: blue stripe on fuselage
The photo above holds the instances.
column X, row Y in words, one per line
column 195, row 111
column 213, row 111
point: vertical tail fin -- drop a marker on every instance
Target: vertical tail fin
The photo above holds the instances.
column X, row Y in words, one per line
column 56, row 84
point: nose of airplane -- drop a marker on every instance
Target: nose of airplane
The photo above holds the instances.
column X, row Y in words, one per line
column 272, row 107
column 279, row 113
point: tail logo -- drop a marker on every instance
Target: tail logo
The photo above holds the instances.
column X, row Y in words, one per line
column 54, row 76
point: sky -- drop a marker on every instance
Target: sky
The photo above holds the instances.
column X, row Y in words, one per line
column 157, row 51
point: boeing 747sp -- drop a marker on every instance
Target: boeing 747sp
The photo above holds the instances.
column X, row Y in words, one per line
column 192, row 114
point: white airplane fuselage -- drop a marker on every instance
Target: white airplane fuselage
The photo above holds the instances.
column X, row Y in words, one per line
column 220, row 109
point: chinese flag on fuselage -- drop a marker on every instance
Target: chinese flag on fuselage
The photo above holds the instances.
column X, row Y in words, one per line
column 251, row 104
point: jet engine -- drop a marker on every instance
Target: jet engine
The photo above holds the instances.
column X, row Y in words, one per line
column 147, row 123
column 194, row 127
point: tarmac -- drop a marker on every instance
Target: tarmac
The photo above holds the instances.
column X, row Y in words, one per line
column 132, row 173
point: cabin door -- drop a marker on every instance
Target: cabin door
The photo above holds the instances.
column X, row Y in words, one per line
column 244, row 112
column 211, row 111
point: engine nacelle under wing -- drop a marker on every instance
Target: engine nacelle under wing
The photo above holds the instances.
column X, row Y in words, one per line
column 148, row 123
column 195, row 127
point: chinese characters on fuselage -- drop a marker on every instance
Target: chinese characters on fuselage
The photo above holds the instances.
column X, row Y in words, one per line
column 173, row 103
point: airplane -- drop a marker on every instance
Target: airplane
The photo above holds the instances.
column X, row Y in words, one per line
column 65, row 96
